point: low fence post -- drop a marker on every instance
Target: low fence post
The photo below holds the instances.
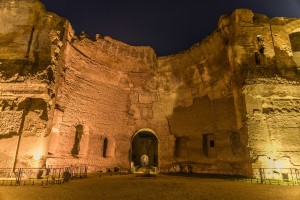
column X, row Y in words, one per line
column 261, row 176
column 292, row 175
column 297, row 174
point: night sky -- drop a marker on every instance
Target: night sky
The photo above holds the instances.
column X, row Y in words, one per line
column 168, row 26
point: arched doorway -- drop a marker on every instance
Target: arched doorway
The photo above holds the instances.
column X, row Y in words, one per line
column 295, row 44
column 144, row 144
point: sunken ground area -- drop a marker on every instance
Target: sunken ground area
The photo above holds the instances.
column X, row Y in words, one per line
column 160, row 187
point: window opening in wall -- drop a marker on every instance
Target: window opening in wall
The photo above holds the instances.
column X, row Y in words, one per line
column 295, row 41
column 208, row 142
column 212, row 143
column 109, row 147
column 295, row 45
column 105, row 142
column 181, row 147
column 257, row 58
column 78, row 135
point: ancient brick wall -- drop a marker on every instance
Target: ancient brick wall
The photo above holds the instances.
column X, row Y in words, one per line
column 266, row 60
column 227, row 104
column 197, row 95
column 30, row 44
column 111, row 89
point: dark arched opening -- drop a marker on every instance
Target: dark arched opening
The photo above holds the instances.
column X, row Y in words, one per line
column 295, row 44
column 181, row 147
column 78, row 136
column 105, row 142
column 144, row 144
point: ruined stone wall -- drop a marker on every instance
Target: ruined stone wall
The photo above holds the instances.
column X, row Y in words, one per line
column 197, row 95
column 225, row 105
column 29, row 47
column 111, row 89
column 265, row 57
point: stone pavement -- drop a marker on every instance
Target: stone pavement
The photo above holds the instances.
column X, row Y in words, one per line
column 160, row 187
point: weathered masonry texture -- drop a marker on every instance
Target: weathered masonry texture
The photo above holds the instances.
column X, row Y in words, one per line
column 229, row 103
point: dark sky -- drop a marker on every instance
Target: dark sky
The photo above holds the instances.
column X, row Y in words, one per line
column 168, row 26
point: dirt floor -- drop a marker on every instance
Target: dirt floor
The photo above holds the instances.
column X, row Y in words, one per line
column 160, row 187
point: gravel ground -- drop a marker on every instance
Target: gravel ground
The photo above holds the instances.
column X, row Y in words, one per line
column 160, row 187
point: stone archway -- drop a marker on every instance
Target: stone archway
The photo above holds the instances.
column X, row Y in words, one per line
column 295, row 45
column 144, row 144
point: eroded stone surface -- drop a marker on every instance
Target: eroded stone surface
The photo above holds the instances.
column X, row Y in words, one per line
column 229, row 103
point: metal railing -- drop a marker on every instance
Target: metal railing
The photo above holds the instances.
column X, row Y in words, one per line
column 41, row 176
column 286, row 175
column 283, row 176
column 190, row 168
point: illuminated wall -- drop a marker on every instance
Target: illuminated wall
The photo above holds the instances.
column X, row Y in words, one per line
column 266, row 56
column 30, row 43
column 228, row 104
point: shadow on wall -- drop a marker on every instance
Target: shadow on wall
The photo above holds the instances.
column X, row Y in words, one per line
column 285, row 64
column 33, row 125
column 32, row 104
column 78, row 136
column 295, row 42
column 207, row 137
